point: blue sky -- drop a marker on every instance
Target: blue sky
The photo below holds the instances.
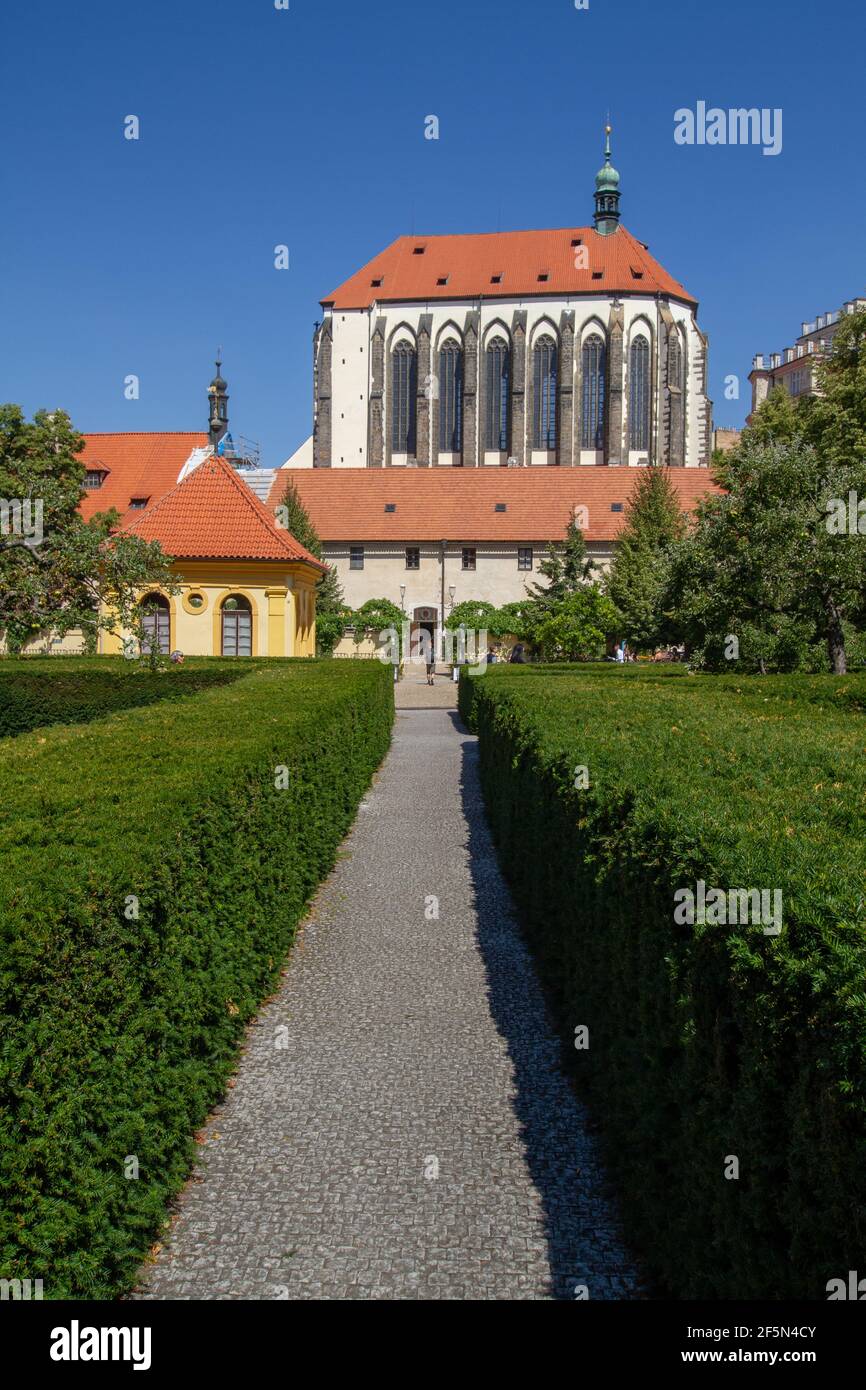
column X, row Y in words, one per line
column 306, row 127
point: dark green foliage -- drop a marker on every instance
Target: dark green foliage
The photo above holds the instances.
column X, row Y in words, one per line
column 32, row 699
column 705, row 1041
column 332, row 616
column 118, row 1034
column 638, row 575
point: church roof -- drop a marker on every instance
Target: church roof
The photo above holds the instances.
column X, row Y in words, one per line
column 137, row 465
column 460, row 504
column 213, row 515
column 507, row 265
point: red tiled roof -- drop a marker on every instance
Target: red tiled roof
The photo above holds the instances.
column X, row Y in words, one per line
column 138, row 465
column 213, row 515
column 459, row 504
column 617, row 264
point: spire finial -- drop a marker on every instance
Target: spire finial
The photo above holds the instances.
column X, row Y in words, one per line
column 607, row 129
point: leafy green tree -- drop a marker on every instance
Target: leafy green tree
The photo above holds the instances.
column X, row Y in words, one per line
column 565, row 567
column 777, row 418
column 518, row 619
column 765, row 565
column 576, row 628
column 638, row 578
column 473, row 614
column 332, row 616
column 68, row 573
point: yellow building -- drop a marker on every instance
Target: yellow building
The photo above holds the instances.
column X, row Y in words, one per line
column 247, row 588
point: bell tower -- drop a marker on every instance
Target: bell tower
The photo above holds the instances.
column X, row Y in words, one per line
column 218, row 407
column 606, row 192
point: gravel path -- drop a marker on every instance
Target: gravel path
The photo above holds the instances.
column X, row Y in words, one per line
column 400, row 1126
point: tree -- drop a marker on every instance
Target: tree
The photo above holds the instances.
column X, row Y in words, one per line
column 566, row 568
column 332, row 616
column 638, row 578
column 518, row 619
column 768, row 572
column 474, row 614
column 57, row 571
column 576, row 628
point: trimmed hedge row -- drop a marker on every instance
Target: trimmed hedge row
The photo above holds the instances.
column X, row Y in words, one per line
column 154, row 873
column 705, row 1041
column 34, row 700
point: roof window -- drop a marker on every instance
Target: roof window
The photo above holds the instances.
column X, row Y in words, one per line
column 500, row 507
column 390, row 506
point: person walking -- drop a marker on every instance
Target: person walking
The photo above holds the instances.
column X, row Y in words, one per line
column 517, row 656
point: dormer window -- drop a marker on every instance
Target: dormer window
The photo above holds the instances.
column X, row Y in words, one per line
column 443, row 280
column 543, row 277
column 496, row 279
column 377, row 283
column 418, row 250
column 500, row 507
column 138, row 504
column 390, row 506
column 94, row 478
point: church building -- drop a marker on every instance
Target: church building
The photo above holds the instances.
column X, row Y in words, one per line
column 565, row 348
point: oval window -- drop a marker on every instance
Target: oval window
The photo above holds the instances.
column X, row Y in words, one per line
column 196, row 601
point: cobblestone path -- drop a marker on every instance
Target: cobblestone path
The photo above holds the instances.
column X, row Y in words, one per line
column 415, row 1138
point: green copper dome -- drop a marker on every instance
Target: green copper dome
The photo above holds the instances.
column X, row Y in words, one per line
column 607, row 178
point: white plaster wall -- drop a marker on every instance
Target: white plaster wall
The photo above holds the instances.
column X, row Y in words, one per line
column 350, row 362
column 496, row 578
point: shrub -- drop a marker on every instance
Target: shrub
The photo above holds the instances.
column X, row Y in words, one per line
column 33, row 699
column 705, row 1041
column 154, row 874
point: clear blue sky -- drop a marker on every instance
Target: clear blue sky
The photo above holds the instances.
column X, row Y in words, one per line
column 306, row 127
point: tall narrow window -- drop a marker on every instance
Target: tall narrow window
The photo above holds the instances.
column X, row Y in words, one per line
column 156, row 622
column 592, row 375
column 404, row 387
column 450, row 398
column 638, row 394
column 676, row 402
column 237, row 626
column 544, row 368
column 498, row 359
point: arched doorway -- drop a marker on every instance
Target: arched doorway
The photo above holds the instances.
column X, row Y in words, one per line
column 156, row 622
column 423, row 635
column 237, row 626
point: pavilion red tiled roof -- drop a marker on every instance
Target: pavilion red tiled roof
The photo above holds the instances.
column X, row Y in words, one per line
column 507, row 265
column 136, row 465
column 459, row 504
column 213, row 515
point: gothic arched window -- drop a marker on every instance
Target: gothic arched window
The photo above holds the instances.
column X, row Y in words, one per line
column 404, row 389
column 638, row 394
column 592, row 374
column 676, row 407
column 545, row 367
column 451, row 397
column 498, row 357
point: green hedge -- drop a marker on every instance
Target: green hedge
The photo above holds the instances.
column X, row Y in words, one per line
column 118, row 1034
column 34, row 699
column 705, row 1041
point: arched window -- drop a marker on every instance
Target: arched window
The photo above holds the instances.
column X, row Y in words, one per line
column 498, row 359
column 676, row 401
column 544, row 368
column 638, row 394
column 156, row 621
column 450, row 397
column 237, row 626
column 404, row 388
column 592, row 375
